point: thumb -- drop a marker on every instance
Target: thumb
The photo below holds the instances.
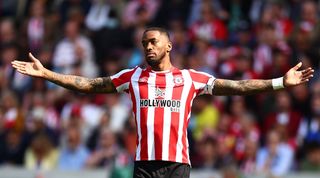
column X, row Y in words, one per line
column 35, row 60
column 297, row 66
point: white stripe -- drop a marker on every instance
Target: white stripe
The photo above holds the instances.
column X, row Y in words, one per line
column 123, row 87
column 203, row 73
column 150, row 118
column 136, row 93
column 167, row 118
column 184, row 96
column 117, row 75
column 198, row 85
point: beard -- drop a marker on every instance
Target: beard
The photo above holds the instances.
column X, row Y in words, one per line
column 155, row 61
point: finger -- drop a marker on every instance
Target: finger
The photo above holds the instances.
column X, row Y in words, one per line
column 33, row 58
column 18, row 62
column 17, row 66
column 304, row 81
column 308, row 73
column 22, row 71
column 306, row 77
column 297, row 66
column 306, row 70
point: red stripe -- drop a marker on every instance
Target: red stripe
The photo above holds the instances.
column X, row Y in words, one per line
column 174, row 128
column 134, row 107
column 125, row 77
column 184, row 138
column 158, row 119
column 143, row 90
column 199, row 77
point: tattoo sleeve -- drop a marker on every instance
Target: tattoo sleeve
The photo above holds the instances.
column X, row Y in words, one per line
column 241, row 87
column 81, row 84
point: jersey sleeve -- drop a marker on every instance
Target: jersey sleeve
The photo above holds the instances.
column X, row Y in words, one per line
column 121, row 80
column 202, row 82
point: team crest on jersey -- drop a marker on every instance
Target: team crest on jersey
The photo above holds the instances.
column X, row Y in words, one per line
column 159, row 93
column 178, row 80
column 143, row 79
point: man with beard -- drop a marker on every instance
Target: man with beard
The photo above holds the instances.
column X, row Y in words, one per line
column 161, row 97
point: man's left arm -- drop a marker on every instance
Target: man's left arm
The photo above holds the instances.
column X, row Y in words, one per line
column 247, row 87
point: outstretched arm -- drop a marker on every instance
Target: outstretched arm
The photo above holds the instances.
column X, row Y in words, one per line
column 247, row 87
column 77, row 83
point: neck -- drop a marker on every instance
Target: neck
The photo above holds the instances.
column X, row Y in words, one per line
column 163, row 66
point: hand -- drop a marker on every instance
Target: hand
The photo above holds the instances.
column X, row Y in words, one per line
column 34, row 68
column 294, row 77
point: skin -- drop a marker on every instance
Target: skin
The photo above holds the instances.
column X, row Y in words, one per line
column 157, row 47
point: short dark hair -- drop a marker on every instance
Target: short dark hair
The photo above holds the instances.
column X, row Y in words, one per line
column 159, row 29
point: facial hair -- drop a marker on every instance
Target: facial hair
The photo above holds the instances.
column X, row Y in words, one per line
column 154, row 62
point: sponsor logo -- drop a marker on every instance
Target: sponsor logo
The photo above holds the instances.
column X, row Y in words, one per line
column 174, row 105
column 159, row 93
column 143, row 79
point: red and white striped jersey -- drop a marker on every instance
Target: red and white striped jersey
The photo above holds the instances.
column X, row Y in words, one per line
column 161, row 105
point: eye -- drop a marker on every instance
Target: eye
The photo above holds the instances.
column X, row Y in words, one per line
column 144, row 44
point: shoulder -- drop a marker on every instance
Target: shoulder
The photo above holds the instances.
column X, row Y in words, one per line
column 199, row 76
column 125, row 75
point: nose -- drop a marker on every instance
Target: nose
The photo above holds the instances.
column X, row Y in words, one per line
column 149, row 47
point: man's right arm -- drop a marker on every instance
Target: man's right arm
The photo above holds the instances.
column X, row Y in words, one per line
column 73, row 82
column 81, row 84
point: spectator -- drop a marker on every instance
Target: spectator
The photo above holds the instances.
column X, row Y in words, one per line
column 11, row 79
column 206, row 118
column 101, row 15
column 135, row 57
column 247, row 163
column 13, row 148
column 135, row 8
column 310, row 127
column 279, row 18
column 262, row 57
column 276, row 158
column 41, row 154
column 118, row 112
column 93, row 139
column 207, row 147
column 7, row 31
column 83, row 113
column 129, row 136
column 312, row 161
column 36, row 26
column 12, row 115
column 37, row 123
column 284, row 119
column 209, row 27
column 248, row 133
column 74, row 154
column 74, row 53
column 107, row 153
column 196, row 6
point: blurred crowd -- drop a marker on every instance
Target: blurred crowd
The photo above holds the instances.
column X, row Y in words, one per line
column 43, row 126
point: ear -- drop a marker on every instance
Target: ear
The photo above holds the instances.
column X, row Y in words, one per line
column 169, row 47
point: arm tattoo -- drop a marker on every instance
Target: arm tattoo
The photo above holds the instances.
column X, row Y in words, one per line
column 241, row 87
column 82, row 84
column 102, row 85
